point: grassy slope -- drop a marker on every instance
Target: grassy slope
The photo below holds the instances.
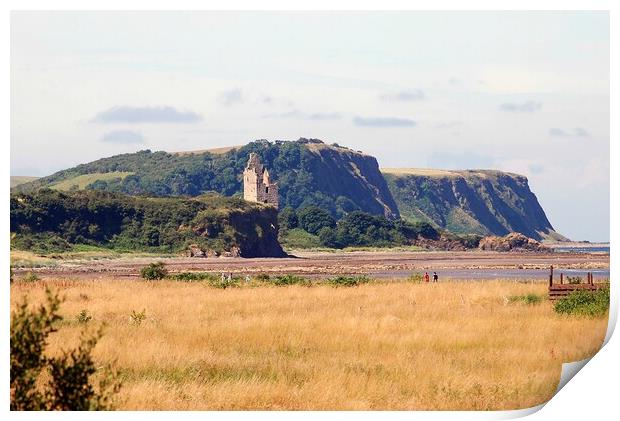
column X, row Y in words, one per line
column 81, row 181
column 377, row 346
column 16, row 180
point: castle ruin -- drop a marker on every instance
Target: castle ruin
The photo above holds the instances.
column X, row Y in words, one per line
column 257, row 186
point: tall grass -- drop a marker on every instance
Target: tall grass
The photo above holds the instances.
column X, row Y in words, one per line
column 375, row 346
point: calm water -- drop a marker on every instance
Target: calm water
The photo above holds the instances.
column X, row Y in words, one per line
column 485, row 274
column 601, row 249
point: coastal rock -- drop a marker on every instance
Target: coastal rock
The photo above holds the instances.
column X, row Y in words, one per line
column 195, row 251
column 511, row 242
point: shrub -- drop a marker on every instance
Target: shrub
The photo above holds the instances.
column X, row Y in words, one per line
column 574, row 280
column 193, row 276
column 66, row 384
column 299, row 239
column 83, row 317
column 30, row 277
column 348, row 281
column 136, row 318
column 584, row 303
column 416, row 278
column 526, row 299
column 262, row 277
column 154, row 271
column 281, row 280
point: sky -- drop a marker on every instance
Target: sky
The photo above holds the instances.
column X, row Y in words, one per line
column 524, row 92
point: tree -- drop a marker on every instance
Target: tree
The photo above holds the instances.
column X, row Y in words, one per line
column 287, row 218
column 313, row 218
column 327, row 237
column 69, row 376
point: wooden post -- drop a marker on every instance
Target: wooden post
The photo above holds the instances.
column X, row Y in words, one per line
column 561, row 278
column 551, row 276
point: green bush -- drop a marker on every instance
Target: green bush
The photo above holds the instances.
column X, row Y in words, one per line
column 282, row 280
column 30, row 277
column 526, row 299
column 40, row 382
column 262, row 277
column 584, row 303
column 193, row 276
column 416, row 278
column 574, row 280
column 154, row 271
column 299, row 239
column 348, row 281
column 218, row 282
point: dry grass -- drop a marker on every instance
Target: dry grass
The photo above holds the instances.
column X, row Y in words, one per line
column 16, row 180
column 376, row 346
column 80, row 182
column 427, row 172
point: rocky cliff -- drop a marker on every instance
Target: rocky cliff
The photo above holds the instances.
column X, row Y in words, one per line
column 483, row 202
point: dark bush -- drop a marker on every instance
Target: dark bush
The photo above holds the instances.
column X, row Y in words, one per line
column 282, row 280
column 348, row 281
column 67, row 384
column 154, row 271
column 193, row 276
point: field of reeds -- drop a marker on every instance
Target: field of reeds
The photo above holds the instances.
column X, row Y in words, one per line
column 391, row 345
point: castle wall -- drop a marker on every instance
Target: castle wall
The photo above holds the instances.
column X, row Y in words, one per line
column 256, row 184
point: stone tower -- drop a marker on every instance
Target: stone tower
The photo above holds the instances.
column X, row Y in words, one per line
column 257, row 186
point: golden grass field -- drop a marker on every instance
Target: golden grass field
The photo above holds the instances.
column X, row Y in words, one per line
column 399, row 345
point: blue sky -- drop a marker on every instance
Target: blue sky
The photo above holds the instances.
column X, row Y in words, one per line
column 526, row 92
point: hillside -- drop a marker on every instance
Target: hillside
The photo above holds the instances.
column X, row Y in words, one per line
column 51, row 221
column 16, row 180
column 470, row 201
column 309, row 172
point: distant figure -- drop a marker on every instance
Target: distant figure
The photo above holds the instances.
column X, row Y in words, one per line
column 223, row 277
column 435, row 277
column 426, row 277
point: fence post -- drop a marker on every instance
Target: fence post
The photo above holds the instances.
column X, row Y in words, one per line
column 561, row 278
column 551, row 276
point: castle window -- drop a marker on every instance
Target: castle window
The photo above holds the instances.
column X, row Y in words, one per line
column 266, row 189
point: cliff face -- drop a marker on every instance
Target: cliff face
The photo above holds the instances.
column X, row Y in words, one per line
column 353, row 177
column 471, row 201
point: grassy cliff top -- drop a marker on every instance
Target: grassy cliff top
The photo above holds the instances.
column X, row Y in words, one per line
column 215, row 151
column 16, row 180
column 438, row 173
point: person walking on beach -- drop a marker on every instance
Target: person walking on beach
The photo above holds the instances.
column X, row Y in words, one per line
column 426, row 277
column 435, row 277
